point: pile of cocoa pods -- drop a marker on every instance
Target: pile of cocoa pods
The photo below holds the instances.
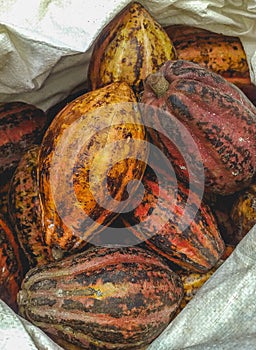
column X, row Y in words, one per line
column 85, row 254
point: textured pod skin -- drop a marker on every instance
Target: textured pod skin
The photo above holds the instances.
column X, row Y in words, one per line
column 10, row 264
column 104, row 298
column 129, row 48
column 218, row 115
column 221, row 207
column 4, row 188
column 222, row 54
column 196, row 248
column 193, row 281
column 21, row 125
column 25, row 210
column 243, row 212
column 72, row 149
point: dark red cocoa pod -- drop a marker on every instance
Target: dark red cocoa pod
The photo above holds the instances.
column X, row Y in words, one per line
column 220, row 118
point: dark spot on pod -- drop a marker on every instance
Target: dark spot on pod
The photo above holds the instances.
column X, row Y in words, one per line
column 43, row 285
column 179, row 107
column 42, row 301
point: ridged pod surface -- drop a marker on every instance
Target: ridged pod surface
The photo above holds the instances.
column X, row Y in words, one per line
column 11, row 269
column 104, row 298
column 193, row 281
column 220, row 118
column 129, row 48
column 223, row 54
column 92, row 150
column 198, row 247
column 25, row 209
column 21, row 125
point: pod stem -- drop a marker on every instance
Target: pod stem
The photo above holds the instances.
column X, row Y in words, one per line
column 158, row 84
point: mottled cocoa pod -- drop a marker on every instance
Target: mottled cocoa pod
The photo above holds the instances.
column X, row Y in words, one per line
column 11, row 265
column 222, row 54
column 167, row 222
column 129, row 48
column 193, row 281
column 25, row 209
column 90, row 149
column 220, row 118
column 21, row 125
column 104, row 298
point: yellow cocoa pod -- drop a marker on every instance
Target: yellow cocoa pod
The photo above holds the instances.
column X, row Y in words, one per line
column 129, row 48
column 94, row 148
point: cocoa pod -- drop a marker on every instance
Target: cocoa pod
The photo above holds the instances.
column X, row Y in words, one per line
column 193, row 281
column 21, row 125
column 25, row 210
column 222, row 54
column 90, row 149
column 104, row 298
column 243, row 212
column 168, row 224
column 217, row 114
column 130, row 47
column 11, row 265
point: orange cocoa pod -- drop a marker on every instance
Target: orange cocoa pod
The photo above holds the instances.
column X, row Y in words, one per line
column 89, row 154
column 222, row 54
